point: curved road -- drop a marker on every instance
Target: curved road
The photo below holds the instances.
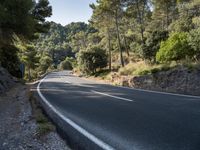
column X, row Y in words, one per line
column 123, row 118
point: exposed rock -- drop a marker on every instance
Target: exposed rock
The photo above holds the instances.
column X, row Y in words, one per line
column 6, row 80
column 178, row 80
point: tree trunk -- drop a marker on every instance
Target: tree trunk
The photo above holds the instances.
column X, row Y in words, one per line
column 126, row 47
column 140, row 22
column 109, row 49
column 119, row 41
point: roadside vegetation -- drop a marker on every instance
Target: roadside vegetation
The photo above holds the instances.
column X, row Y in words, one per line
column 128, row 37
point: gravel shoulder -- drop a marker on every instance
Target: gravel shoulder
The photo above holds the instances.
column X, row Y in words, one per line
column 18, row 128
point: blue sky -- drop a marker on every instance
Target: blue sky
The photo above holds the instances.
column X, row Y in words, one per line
column 67, row 11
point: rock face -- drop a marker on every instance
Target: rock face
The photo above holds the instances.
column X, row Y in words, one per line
column 6, row 80
column 178, row 80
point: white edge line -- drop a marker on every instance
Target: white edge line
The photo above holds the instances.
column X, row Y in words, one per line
column 73, row 124
column 165, row 93
column 117, row 97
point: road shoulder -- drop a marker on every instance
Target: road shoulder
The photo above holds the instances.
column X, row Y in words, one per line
column 19, row 128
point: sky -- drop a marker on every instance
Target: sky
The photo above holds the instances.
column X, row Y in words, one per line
column 67, row 11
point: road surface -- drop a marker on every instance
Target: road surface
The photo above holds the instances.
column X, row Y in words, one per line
column 123, row 118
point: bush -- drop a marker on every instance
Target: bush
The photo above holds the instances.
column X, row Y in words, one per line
column 92, row 59
column 153, row 44
column 175, row 48
column 67, row 64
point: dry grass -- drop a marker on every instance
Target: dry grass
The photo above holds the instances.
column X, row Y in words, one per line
column 142, row 68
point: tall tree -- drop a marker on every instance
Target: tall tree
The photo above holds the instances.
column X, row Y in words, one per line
column 164, row 12
column 139, row 10
column 113, row 10
column 103, row 21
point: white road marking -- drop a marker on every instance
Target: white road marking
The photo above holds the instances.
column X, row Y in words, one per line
column 157, row 92
column 88, row 86
column 94, row 139
column 117, row 97
column 82, row 85
column 68, row 82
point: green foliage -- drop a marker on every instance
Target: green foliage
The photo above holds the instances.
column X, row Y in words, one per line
column 54, row 43
column 20, row 20
column 9, row 59
column 137, row 49
column 67, row 64
column 45, row 63
column 175, row 48
column 194, row 42
column 153, row 44
column 125, row 30
column 183, row 24
column 63, row 41
column 28, row 56
column 92, row 59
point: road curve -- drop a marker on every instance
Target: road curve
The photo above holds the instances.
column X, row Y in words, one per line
column 112, row 117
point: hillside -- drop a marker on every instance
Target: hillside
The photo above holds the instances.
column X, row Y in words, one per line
column 56, row 42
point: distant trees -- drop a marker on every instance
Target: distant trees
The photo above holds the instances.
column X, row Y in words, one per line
column 61, row 42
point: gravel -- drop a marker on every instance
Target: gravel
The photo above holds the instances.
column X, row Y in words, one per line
column 18, row 129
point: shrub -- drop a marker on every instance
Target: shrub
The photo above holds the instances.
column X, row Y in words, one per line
column 67, row 64
column 153, row 44
column 92, row 59
column 175, row 48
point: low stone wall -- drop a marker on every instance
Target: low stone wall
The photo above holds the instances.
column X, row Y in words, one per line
column 6, row 80
column 178, row 80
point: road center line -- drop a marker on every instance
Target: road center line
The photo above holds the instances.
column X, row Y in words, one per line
column 68, row 82
column 94, row 139
column 117, row 97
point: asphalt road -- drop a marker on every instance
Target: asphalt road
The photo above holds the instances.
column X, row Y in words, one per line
column 123, row 118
